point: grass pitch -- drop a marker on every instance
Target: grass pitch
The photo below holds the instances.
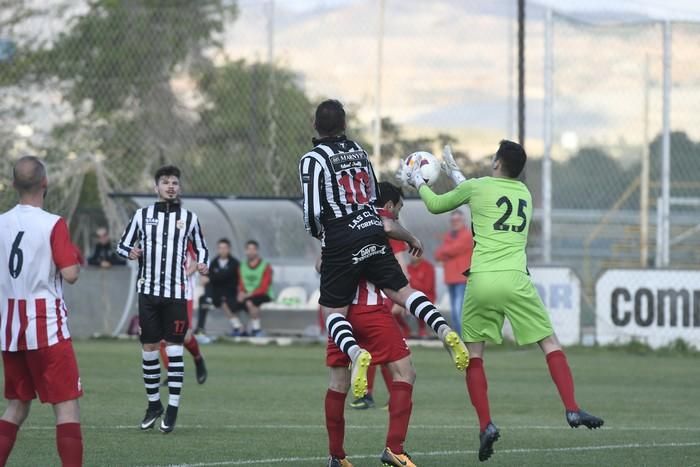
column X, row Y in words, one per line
column 262, row 405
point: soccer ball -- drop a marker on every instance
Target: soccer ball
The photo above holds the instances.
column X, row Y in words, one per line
column 429, row 167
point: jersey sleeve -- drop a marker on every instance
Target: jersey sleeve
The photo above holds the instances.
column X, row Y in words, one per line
column 64, row 252
column 397, row 246
column 459, row 195
column 265, row 283
column 311, row 176
column 198, row 242
column 131, row 235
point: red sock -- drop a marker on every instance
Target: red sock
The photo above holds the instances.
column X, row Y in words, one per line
column 371, row 374
column 69, row 441
column 8, row 434
column 477, row 386
column 163, row 355
column 335, row 422
column 386, row 374
column 561, row 375
column 193, row 347
column 400, row 405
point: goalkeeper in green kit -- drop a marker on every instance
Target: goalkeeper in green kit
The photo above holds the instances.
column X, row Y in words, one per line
column 499, row 283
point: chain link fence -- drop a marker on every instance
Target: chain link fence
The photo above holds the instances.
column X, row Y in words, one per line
column 108, row 91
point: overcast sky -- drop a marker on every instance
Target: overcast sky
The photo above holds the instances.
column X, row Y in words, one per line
column 660, row 9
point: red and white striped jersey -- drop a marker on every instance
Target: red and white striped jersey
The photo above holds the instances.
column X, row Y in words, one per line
column 34, row 246
column 368, row 294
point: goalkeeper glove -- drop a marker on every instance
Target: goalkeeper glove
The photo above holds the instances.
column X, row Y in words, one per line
column 413, row 176
column 450, row 166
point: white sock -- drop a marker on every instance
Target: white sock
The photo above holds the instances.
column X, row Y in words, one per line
column 255, row 324
column 235, row 322
column 340, row 331
column 176, row 372
column 151, row 374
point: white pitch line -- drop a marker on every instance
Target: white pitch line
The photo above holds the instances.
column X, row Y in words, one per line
column 281, row 460
column 378, row 427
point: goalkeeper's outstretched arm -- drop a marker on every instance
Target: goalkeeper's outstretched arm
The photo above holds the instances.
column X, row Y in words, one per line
column 437, row 204
column 453, row 199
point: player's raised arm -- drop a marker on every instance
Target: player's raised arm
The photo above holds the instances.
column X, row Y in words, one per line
column 437, row 204
column 131, row 235
column 311, row 175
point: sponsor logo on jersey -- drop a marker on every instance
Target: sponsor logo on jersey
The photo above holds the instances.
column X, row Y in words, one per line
column 368, row 251
column 365, row 220
column 151, row 221
column 349, row 160
column 180, row 224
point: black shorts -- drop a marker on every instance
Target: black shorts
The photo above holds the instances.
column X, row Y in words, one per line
column 162, row 319
column 256, row 300
column 221, row 296
column 344, row 264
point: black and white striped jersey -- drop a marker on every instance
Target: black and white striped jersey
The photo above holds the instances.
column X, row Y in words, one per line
column 162, row 230
column 337, row 180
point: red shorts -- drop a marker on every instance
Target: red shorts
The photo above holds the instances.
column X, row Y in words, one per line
column 376, row 331
column 52, row 372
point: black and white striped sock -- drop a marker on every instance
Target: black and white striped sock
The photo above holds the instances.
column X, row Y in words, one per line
column 422, row 308
column 340, row 330
column 151, row 374
column 176, row 372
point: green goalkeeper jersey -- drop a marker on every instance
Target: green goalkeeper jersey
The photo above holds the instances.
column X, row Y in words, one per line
column 501, row 210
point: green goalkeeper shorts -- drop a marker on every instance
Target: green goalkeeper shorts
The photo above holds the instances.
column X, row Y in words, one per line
column 493, row 296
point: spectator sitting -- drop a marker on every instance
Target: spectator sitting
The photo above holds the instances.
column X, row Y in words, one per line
column 255, row 285
column 221, row 288
column 104, row 255
column 455, row 253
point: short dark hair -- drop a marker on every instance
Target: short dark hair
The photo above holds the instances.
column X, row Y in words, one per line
column 27, row 174
column 167, row 171
column 253, row 242
column 330, row 118
column 224, row 240
column 512, row 157
column 388, row 192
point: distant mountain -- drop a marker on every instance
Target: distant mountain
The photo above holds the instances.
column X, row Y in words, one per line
column 446, row 65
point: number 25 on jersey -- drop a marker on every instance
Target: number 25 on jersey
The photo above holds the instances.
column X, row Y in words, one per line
column 501, row 225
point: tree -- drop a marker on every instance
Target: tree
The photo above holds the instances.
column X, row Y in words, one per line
column 591, row 180
column 246, row 130
column 114, row 65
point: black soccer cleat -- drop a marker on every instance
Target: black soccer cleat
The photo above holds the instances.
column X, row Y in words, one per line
column 576, row 419
column 201, row 370
column 486, row 439
column 167, row 424
column 153, row 412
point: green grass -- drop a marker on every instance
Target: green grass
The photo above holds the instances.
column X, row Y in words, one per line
column 266, row 402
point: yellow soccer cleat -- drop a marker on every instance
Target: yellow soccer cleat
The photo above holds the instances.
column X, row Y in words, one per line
column 457, row 349
column 391, row 459
column 336, row 462
column 358, row 377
